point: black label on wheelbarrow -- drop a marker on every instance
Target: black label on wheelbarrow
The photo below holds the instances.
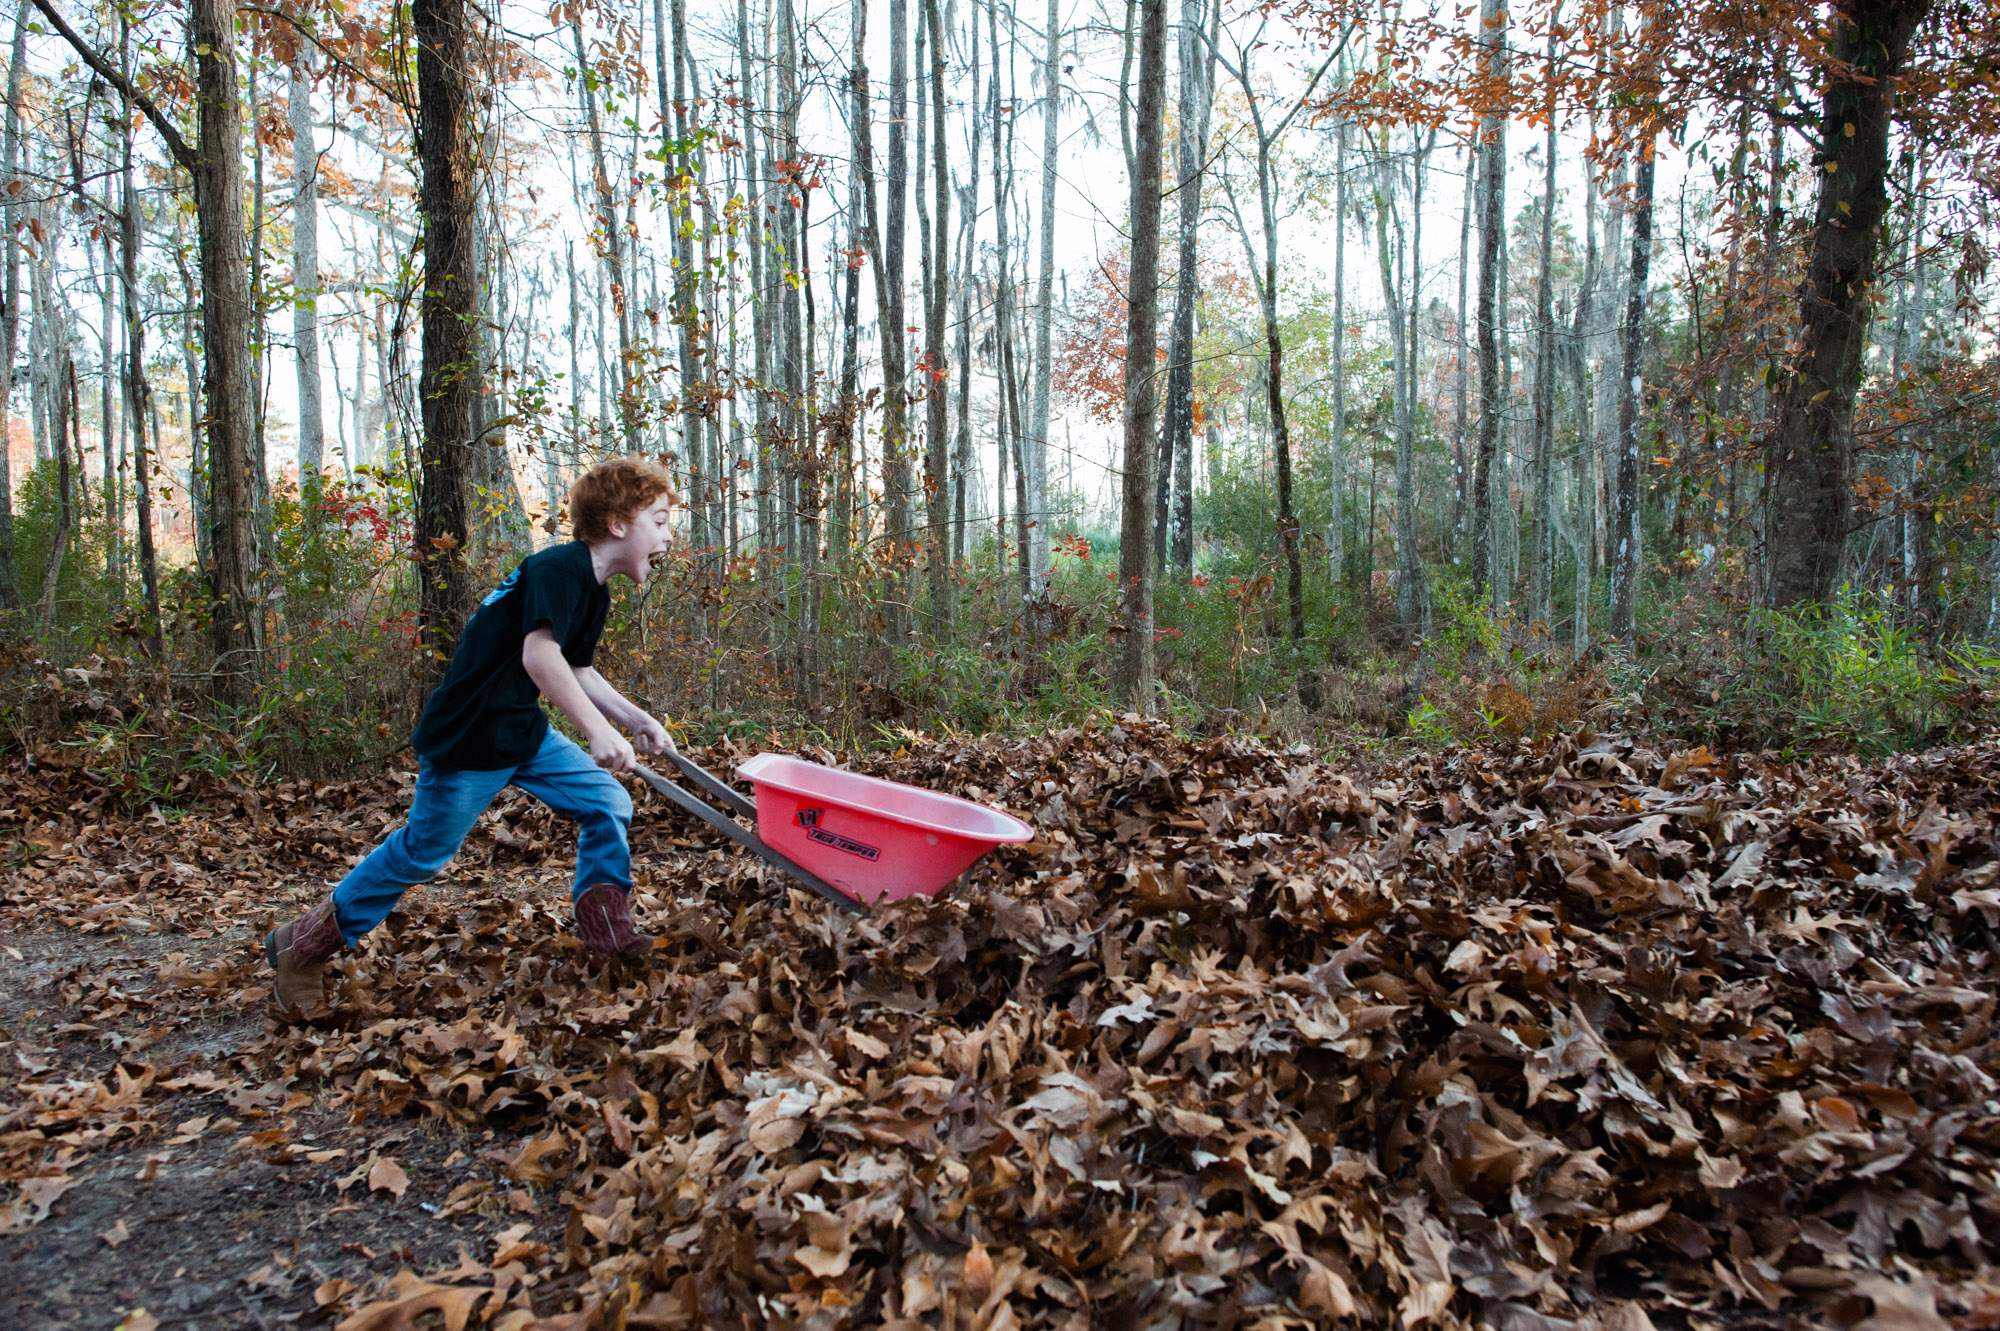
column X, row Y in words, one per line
column 839, row 842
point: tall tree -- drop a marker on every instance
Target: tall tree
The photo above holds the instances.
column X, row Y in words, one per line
column 890, row 282
column 136, row 390
column 607, row 200
column 1810, row 457
column 670, row 75
column 859, row 243
column 447, row 195
column 1625, row 512
column 961, row 472
column 1460, row 475
column 1584, row 526
column 10, row 317
column 1174, row 513
column 1493, row 19
column 937, row 392
column 1269, row 134
column 1006, row 433
column 1035, row 439
column 1604, row 449
column 761, row 263
column 1336, row 517
column 305, row 263
column 234, row 467
column 1132, row 683
column 1411, row 592
column 62, row 424
column 1541, row 566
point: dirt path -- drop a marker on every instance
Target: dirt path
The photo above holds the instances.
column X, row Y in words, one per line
column 215, row 1202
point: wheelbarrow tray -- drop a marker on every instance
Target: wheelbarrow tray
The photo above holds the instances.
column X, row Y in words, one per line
column 875, row 840
column 853, row 839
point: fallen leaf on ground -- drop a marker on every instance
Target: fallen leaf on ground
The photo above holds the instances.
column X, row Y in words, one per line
column 410, row 1299
column 388, row 1176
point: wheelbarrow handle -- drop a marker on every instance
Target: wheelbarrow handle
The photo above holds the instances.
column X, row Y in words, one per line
column 743, row 836
column 698, row 774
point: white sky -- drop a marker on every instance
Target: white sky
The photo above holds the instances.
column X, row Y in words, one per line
column 1090, row 202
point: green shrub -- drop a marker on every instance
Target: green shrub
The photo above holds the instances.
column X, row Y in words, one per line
column 1855, row 674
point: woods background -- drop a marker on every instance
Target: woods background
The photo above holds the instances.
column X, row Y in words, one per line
column 1497, row 371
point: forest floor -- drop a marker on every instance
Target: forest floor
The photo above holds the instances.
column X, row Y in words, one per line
column 1578, row 1033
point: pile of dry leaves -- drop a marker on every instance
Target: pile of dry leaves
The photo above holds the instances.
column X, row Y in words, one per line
column 1577, row 1034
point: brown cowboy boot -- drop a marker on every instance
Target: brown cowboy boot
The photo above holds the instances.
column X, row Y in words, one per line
column 298, row 953
column 604, row 922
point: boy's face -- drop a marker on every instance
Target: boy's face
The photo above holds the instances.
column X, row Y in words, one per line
column 636, row 546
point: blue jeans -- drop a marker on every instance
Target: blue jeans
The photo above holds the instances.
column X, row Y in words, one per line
column 448, row 803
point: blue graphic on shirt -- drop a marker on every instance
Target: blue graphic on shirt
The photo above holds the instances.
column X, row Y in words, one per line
column 501, row 590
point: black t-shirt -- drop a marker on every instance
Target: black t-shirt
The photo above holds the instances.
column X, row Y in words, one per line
column 486, row 714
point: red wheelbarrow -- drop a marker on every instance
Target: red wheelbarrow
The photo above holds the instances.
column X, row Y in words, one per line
column 855, row 840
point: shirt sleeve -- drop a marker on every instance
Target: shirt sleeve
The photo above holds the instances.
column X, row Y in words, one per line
column 551, row 599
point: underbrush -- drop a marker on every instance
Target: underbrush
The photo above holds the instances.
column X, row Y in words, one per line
column 1859, row 674
column 748, row 649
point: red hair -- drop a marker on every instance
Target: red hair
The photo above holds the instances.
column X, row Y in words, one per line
column 615, row 490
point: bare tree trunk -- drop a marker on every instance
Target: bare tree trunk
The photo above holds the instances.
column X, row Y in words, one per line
column 1412, row 596
column 607, row 218
column 38, row 362
column 1176, row 487
column 1585, row 474
column 1541, row 568
column 1460, row 475
column 962, row 470
column 62, row 423
column 1388, row 247
column 755, row 188
column 670, row 71
column 1003, row 305
column 554, row 478
column 136, row 391
column 799, row 436
column 1625, row 508
column 1133, row 682
column 895, row 394
column 199, row 492
column 1492, row 237
column 233, row 463
column 305, row 266
column 937, row 390
column 108, row 428
column 363, row 451
column 1605, row 447
column 1336, row 518
column 961, row 450
column 846, row 498
column 10, row 317
column 1035, row 440
column 260, row 326
column 446, row 196
column 1810, row 457
column 1909, row 459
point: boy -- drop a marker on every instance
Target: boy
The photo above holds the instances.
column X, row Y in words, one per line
column 534, row 635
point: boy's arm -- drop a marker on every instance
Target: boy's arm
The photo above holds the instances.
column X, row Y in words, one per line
column 650, row 734
column 542, row 658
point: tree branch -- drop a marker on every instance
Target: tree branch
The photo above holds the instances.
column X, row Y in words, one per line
column 105, row 70
column 306, row 32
